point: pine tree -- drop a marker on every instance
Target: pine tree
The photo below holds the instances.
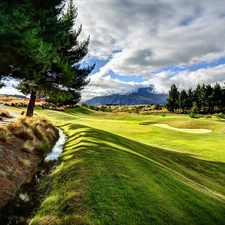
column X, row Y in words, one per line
column 23, row 50
column 194, row 111
column 183, row 100
column 204, row 98
column 217, row 97
column 198, row 95
column 172, row 102
column 208, row 98
column 56, row 71
column 29, row 51
column 190, row 98
column 66, row 89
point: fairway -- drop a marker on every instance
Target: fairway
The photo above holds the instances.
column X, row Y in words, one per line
column 117, row 168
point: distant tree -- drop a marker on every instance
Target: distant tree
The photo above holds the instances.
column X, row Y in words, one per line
column 205, row 97
column 217, row 97
column 204, row 100
column 198, row 96
column 183, row 100
column 190, row 98
column 172, row 102
column 194, row 111
column 223, row 98
column 209, row 98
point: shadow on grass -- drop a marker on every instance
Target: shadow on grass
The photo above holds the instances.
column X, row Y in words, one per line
column 207, row 174
column 82, row 110
column 110, row 179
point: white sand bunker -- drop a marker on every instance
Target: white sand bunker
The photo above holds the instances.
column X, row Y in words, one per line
column 197, row 131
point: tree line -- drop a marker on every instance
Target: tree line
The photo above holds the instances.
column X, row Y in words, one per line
column 204, row 99
column 39, row 47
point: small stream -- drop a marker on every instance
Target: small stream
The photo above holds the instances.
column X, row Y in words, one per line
column 32, row 191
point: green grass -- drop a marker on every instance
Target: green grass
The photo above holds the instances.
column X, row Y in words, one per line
column 116, row 171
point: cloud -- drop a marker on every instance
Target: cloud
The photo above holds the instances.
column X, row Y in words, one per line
column 186, row 79
column 9, row 88
column 139, row 37
column 161, row 81
column 156, row 26
column 100, row 86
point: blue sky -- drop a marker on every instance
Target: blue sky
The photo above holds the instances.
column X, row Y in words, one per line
column 139, row 43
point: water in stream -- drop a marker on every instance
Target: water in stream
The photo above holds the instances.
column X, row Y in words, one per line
column 32, row 192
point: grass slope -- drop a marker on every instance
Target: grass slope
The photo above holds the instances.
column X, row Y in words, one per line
column 115, row 171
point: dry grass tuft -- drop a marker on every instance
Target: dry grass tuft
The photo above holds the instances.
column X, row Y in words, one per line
column 28, row 147
column 25, row 162
column 5, row 134
column 4, row 113
column 36, row 132
column 51, row 134
column 24, row 133
column 39, row 133
column 11, row 126
column 31, row 128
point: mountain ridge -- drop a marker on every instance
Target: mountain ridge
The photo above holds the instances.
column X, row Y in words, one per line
column 142, row 96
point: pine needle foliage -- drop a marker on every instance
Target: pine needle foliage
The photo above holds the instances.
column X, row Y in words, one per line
column 40, row 47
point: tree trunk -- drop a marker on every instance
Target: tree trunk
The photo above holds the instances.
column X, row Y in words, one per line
column 30, row 107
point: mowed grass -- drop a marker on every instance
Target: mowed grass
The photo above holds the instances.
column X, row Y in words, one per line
column 116, row 171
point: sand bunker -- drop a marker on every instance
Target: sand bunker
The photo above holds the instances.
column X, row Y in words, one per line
column 196, row 131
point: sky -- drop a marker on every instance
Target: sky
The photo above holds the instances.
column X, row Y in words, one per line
column 140, row 43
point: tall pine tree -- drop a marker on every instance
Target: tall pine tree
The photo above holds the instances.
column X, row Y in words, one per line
column 172, row 102
column 48, row 53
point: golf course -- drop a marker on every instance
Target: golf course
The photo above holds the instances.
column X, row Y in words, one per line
column 127, row 168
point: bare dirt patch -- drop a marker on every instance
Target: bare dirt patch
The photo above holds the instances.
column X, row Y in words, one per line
column 196, row 131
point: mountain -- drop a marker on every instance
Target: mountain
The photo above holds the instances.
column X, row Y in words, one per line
column 15, row 95
column 143, row 96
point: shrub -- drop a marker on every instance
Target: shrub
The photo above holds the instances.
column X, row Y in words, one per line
column 84, row 104
column 43, row 148
column 12, row 104
column 51, row 134
column 39, row 133
column 193, row 113
column 4, row 113
column 220, row 116
column 11, row 126
column 24, row 133
column 5, row 135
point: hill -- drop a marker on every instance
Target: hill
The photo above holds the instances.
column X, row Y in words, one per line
column 117, row 168
column 143, row 96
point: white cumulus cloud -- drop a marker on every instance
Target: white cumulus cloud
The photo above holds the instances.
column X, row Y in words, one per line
column 138, row 37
